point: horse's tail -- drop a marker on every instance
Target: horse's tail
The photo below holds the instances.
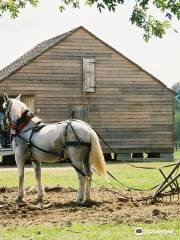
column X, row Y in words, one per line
column 96, row 156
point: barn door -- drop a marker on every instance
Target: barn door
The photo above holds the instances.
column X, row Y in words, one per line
column 79, row 112
column 29, row 101
column 89, row 75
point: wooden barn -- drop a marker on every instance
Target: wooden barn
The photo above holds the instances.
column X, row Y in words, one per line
column 77, row 75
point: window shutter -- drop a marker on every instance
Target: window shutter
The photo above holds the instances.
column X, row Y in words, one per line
column 89, row 75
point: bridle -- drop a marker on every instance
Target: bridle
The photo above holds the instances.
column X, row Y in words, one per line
column 20, row 123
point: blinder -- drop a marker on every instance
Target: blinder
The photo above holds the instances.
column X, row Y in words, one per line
column 6, row 115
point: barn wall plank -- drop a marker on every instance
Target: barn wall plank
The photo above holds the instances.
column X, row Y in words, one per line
column 132, row 110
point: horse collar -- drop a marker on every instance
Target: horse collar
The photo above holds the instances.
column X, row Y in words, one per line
column 21, row 122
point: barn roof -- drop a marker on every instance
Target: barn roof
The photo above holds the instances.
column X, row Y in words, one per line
column 45, row 45
column 31, row 54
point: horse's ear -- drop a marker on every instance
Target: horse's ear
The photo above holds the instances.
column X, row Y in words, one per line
column 6, row 97
column 19, row 96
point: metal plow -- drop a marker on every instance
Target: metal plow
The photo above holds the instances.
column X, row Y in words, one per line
column 169, row 188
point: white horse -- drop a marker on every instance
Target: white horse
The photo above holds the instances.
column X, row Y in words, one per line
column 47, row 144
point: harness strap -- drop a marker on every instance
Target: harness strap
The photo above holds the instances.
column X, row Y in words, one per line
column 39, row 148
column 69, row 124
column 131, row 188
column 72, row 143
column 57, row 154
column 29, row 144
column 35, row 127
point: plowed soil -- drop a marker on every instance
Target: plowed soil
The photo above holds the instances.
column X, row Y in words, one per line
column 59, row 207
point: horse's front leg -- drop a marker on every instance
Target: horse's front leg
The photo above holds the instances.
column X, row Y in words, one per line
column 37, row 170
column 20, row 164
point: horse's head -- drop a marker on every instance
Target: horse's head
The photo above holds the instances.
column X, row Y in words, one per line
column 13, row 109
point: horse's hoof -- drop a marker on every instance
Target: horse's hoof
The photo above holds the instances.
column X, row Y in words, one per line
column 39, row 199
column 88, row 203
column 88, row 199
column 18, row 199
column 79, row 201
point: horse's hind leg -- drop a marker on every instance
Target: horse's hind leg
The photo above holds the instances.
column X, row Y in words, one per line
column 37, row 170
column 77, row 155
column 80, row 194
column 88, row 172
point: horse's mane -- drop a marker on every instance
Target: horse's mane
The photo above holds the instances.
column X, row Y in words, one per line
column 19, row 107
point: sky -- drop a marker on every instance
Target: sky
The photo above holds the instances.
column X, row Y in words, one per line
column 160, row 57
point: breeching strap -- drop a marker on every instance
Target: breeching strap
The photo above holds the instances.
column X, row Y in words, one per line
column 57, row 154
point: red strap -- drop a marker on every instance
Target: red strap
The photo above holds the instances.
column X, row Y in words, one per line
column 22, row 125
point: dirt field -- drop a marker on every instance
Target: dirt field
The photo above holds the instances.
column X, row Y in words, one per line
column 58, row 207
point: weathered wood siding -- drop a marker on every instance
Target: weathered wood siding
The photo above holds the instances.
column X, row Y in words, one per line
column 132, row 110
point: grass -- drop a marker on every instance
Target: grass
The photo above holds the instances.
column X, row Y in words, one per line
column 169, row 230
column 138, row 178
column 177, row 155
column 67, row 178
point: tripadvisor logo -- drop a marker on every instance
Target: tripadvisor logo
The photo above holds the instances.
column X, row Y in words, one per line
column 139, row 231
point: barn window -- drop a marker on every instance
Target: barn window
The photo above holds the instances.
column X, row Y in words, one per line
column 29, row 100
column 88, row 74
column 153, row 155
column 79, row 112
